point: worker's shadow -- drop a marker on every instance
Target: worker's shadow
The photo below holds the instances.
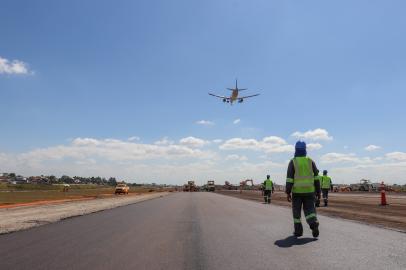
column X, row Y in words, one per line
column 293, row 241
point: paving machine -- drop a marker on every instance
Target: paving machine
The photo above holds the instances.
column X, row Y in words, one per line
column 190, row 186
column 210, row 186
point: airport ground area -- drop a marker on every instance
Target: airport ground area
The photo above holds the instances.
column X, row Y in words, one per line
column 358, row 206
column 12, row 195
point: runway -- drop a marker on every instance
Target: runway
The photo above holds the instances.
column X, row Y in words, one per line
column 200, row 231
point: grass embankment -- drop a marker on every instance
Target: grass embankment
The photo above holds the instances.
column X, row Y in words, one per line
column 27, row 193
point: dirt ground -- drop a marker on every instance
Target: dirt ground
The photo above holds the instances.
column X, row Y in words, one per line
column 362, row 207
column 32, row 215
column 12, row 198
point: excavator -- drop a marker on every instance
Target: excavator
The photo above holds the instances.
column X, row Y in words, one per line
column 244, row 184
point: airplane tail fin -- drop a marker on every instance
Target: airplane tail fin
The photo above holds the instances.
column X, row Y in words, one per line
column 236, row 87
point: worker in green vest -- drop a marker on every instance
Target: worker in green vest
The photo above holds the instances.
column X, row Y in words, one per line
column 268, row 189
column 301, row 188
column 317, row 198
column 326, row 185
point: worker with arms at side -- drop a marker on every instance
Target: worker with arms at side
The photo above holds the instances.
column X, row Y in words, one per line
column 301, row 188
column 268, row 189
column 326, row 185
column 317, row 198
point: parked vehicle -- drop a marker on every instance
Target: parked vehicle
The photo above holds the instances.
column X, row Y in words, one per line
column 122, row 189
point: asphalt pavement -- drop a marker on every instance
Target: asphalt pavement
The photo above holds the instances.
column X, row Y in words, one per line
column 200, row 231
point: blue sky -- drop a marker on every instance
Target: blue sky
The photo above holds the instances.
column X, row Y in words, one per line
column 78, row 78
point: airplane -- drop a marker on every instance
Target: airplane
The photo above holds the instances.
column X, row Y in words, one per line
column 234, row 95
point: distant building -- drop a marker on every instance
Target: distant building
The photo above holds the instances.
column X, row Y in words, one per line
column 4, row 179
column 20, row 180
column 38, row 180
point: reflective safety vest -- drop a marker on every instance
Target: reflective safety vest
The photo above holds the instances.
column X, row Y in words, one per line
column 318, row 178
column 325, row 182
column 268, row 184
column 303, row 181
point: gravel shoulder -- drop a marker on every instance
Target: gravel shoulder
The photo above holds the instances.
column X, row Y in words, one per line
column 20, row 218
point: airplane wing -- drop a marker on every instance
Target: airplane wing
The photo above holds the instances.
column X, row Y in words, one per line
column 222, row 97
column 249, row 96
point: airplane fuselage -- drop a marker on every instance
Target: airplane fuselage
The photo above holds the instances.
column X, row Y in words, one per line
column 234, row 95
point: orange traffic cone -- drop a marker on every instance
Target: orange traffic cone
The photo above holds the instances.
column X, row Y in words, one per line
column 383, row 195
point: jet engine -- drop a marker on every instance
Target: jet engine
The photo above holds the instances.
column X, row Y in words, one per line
column 240, row 100
column 224, row 100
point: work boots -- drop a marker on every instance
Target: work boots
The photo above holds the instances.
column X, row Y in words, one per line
column 298, row 230
column 325, row 203
column 315, row 229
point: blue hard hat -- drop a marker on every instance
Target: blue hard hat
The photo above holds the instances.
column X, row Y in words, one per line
column 325, row 172
column 300, row 145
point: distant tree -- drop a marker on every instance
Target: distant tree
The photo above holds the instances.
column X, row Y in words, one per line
column 66, row 179
column 52, row 179
column 112, row 181
column 12, row 175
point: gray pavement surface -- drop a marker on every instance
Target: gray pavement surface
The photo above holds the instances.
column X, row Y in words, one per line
column 200, row 231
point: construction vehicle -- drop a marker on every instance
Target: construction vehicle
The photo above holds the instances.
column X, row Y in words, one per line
column 190, row 186
column 341, row 188
column 229, row 186
column 244, row 184
column 210, row 186
column 364, row 185
column 122, row 189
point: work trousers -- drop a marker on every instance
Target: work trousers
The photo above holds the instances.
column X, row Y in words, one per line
column 267, row 196
column 325, row 195
column 308, row 208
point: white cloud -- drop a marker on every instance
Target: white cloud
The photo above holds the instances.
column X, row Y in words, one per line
column 318, row 134
column 163, row 141
column 344, row 158
column 337, row 157
column 217, row 141
column 13, row 67
column 236, row 157
column 99, row 153
column 314, row 146
column 236, row 121
column 271, row 144
column 372, row 147
column 193, row 142
column 176, row 162
column 389, row 172
column 205, row 123
column 134, row 138
column 397, row 156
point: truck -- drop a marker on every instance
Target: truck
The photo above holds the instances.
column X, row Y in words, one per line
column 190, row 186
column 210, row 186
column 122, row 189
